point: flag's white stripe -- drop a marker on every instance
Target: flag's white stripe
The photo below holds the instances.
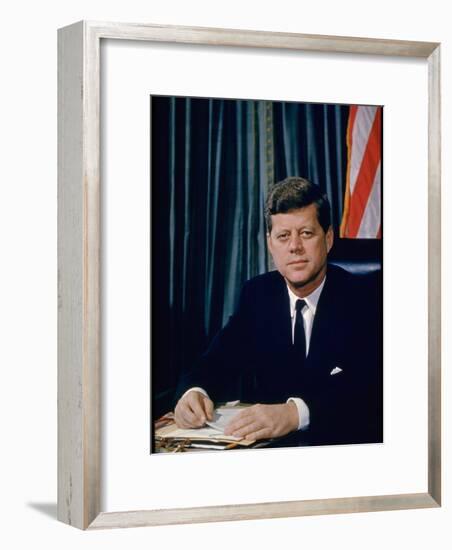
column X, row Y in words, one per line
column 362, row 126
column 370, row 222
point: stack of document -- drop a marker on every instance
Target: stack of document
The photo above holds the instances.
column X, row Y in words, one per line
column 210, row 437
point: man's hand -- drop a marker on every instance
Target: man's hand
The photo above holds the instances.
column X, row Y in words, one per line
column 264, row 421
column 192, row 410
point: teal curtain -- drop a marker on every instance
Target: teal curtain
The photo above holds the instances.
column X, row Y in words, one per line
column 212, row 162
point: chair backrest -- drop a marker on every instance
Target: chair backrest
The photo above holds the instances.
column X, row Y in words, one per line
column 360, row 256
column 358, row 267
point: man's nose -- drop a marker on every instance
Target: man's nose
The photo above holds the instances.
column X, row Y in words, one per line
column 295, row 243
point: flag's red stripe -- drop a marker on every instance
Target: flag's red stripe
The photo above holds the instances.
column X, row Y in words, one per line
column 366, row 175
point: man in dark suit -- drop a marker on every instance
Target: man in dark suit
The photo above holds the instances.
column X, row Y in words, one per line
column 304, row 342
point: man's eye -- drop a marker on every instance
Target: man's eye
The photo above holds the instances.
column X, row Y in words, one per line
column 283, row 237
column 306, row 233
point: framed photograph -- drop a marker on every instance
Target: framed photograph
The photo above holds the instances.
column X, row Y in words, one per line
column 219, row 167
column 174, row 146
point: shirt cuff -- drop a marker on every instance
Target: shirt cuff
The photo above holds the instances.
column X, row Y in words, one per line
column 303, row 412
column 200, row 390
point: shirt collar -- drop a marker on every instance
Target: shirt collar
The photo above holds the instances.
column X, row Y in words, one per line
column 311, row 300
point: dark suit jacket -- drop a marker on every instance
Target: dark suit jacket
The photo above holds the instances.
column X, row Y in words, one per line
column 251, row 358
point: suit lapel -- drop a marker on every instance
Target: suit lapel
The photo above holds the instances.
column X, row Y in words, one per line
column 328, row 323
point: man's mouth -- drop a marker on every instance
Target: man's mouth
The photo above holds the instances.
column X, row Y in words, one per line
column 298, row 262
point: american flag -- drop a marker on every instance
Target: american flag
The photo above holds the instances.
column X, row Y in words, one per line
column 362, row 207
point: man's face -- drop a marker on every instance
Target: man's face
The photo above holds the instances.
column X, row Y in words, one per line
column 299, row 247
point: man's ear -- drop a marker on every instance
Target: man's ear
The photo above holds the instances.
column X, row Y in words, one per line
column 329, row 238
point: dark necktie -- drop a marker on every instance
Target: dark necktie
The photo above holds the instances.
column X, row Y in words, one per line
column 299, row 339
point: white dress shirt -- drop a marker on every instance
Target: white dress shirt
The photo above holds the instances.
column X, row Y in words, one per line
column 308, row 312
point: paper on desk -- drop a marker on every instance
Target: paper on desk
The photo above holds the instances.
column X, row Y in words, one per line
column 198, row 433
column 215, row 427
column 222, row 417
column 214, row 432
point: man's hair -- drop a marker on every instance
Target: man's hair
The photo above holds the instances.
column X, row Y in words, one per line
column 293, row 193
